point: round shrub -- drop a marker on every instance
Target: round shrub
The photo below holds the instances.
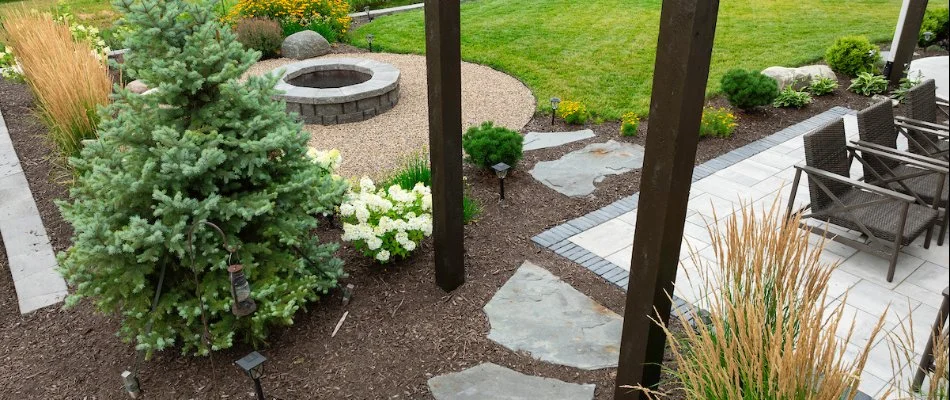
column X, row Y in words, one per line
column 851, row 55
column 261, row 34
column 748, row 89
column 487, row 145
column 937, row 22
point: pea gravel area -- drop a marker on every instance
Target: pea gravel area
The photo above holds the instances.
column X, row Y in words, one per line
column 378, row 145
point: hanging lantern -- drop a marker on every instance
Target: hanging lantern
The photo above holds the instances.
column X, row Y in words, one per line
column 240, row 291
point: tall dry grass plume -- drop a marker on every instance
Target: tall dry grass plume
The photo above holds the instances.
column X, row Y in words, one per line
column 67, row 79
column 769, row 333
column 905, row 360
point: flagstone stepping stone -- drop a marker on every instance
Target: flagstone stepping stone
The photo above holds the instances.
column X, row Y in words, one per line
column 575, row 173
column 543, row 140
column 538, row 313
column 493, row 382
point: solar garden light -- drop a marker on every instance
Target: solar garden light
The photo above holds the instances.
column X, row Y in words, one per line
column 368, row 17
column 928, row 35
column 501, row 171
column 369, row 39
column 253, row 366
column 554, row 103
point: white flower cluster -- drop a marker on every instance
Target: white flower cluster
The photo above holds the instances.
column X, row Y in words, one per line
column 9, row 66
column 387, row 222
column 88, row 34
column 328, row 159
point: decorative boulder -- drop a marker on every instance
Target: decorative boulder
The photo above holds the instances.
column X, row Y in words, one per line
column 136, row 86
column 799, row 77
column 303, row 45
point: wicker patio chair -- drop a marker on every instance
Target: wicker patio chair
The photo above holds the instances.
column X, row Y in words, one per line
column 922, row 177
column 921, row 125
column 923, row 105
column 889, row 220
column 877, row 124
column 926, row 365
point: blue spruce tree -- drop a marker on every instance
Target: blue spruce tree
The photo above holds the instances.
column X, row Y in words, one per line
column 202, row 147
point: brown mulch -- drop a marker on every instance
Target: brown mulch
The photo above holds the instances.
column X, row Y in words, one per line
column 401, row 329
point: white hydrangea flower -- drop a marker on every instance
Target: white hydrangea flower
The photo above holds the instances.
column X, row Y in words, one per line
column 362, row 214
column 383, row 255
column 366, row 185
column 347, row 209
column 374, row 242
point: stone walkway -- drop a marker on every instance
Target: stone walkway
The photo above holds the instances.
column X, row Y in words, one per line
column 757, row 173
column 31, row 258
column 538, row 313
column 544, row 140
column 492, row 382
column 575, row 173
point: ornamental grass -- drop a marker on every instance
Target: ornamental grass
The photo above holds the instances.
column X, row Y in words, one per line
column 906, row 352
column 769, row 333
column 68, row 80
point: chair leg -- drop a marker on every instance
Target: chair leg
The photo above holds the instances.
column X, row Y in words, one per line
column 893, row 267
column 898, row 241
column 929, row 236
column 943, row 229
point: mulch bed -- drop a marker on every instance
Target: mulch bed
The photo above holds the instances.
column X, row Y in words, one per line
column 401, row 329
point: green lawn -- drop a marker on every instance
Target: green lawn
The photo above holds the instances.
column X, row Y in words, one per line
column 601, row 52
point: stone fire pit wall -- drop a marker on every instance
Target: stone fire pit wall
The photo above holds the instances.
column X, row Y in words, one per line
column 337, row 105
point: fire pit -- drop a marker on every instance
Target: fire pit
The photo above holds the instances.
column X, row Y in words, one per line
column 330, row 91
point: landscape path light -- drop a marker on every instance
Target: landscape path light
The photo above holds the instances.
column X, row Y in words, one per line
column 253, row 366
column 554, row 103
column 501, row 171
column 369, row 40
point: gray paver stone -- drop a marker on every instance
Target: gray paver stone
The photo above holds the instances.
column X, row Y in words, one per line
column 493, row 382
column 543, row 140
column 574, row 174
column 538, row 313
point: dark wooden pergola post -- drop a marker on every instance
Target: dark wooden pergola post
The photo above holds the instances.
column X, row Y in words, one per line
column 444, row 73
column 684, row 48
column 905, row 39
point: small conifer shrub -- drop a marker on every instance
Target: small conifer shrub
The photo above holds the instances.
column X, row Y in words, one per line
column 748, row 89
column 487, row 145
column 203, row 147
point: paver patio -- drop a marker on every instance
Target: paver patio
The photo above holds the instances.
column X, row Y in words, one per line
column 757, row 174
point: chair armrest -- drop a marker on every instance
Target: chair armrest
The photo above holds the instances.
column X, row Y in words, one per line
column 900, row 157
column 811, row 171
column 920, row 125
column 918, row 157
